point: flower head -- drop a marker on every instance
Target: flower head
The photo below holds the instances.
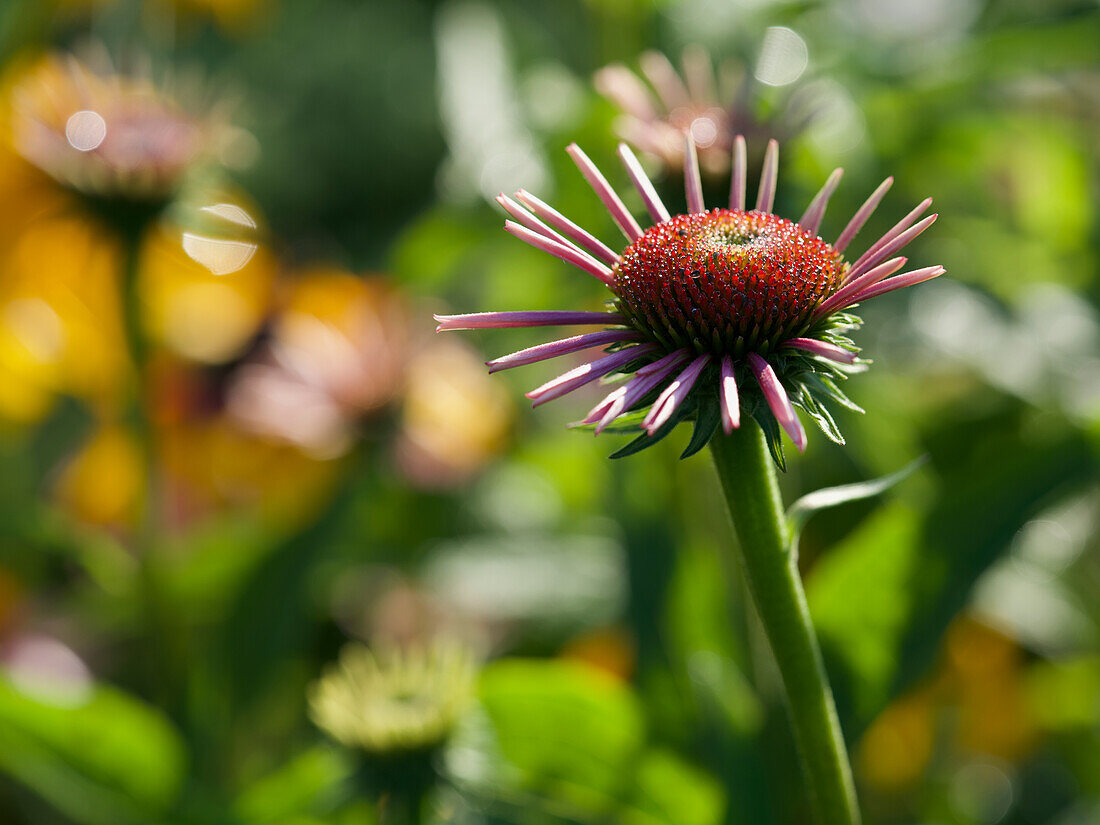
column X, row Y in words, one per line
column 103, row 133
column 656, row 111
column 396, row 701
column 715, row 313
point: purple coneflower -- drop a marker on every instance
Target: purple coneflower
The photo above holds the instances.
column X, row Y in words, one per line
column 716, row 313
column 713, row 106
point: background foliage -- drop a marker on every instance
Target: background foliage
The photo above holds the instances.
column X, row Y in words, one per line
column 160, row 624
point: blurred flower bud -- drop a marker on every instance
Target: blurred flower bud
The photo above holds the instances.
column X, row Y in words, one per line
column 394, row 701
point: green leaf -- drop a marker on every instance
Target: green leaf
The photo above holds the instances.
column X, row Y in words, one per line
column 629, row 422
column 825, row 386
column 799, row 512
column 306, row 785
column 645, row 441
column 707, row 417
column 862, row 601
column 772, row 433
column 568, row 730
column 108, row 760
column 669, row 790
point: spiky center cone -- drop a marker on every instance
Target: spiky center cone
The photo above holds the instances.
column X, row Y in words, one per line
column 726, row 281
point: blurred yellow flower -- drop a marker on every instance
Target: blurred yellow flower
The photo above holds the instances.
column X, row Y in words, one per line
column 104, row 482
column 60, row 324
column 897, row 747
column 455, row 417
column 207, row 284
column 986, row 672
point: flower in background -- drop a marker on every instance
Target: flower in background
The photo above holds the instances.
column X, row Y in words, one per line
column 60, row 322
column 107, row 134
column 712, row 108
column 339, row 350
column 453, row 417
column 207, row 281
column 104, row 481
column 394, row 701
column 715, row 313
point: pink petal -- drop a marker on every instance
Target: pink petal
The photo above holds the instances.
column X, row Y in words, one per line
column 644, row 185
column 565, row 346
column 822, row 349
column 586, row 373
column 674, row 394
column 777, row 399
column 899, row 281
column 557, row 220
column 740, row 173
column 727, row 397
column 892, row 233
column 605, row 193
column 532, row 318
column 811, row 221
column 569, row 254
column 861, row 216
column 765, row 198
column 693, row 184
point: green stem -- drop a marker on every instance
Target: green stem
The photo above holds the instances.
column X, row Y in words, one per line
column 771, row 572
column 146, row 533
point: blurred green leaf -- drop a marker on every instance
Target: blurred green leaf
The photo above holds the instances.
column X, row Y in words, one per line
column 308, row 784
column 567, row 728
column 106, row 761
column 668, row 790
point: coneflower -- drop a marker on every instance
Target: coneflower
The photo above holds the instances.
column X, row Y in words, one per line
column 730, row 316
column 716, row 314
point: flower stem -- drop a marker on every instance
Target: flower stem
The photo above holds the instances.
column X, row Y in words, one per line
column 771, row 572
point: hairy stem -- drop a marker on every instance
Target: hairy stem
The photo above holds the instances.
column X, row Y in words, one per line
column 770, row 569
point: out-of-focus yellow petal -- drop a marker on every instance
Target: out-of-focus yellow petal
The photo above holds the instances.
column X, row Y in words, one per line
column 207, row 288
column 59, row 287
column 897, row 747
column 455, row 417
column 103, row 484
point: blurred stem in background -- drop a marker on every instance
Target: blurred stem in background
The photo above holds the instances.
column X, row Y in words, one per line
column 770, row 568
column 132, row 224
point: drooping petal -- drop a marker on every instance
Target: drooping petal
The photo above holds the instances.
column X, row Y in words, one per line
column 553, row 349
column 625, row 397
column 896, row 243
column 605, row 193
column 660, row 72
column 739, row 174
column 674, row 394
column 861, row 215
column 769, row 175
column 822, row 349
column 626, row 90
column 524, row 318
column 644, row 185
column 693, row 184
column 778, row 401
column 569, row 254
column 897, row 229
column 811, row 221
column 561, row 223
column 728, row 401
column 898, row 282
column 843, row 296
column 585, row 373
